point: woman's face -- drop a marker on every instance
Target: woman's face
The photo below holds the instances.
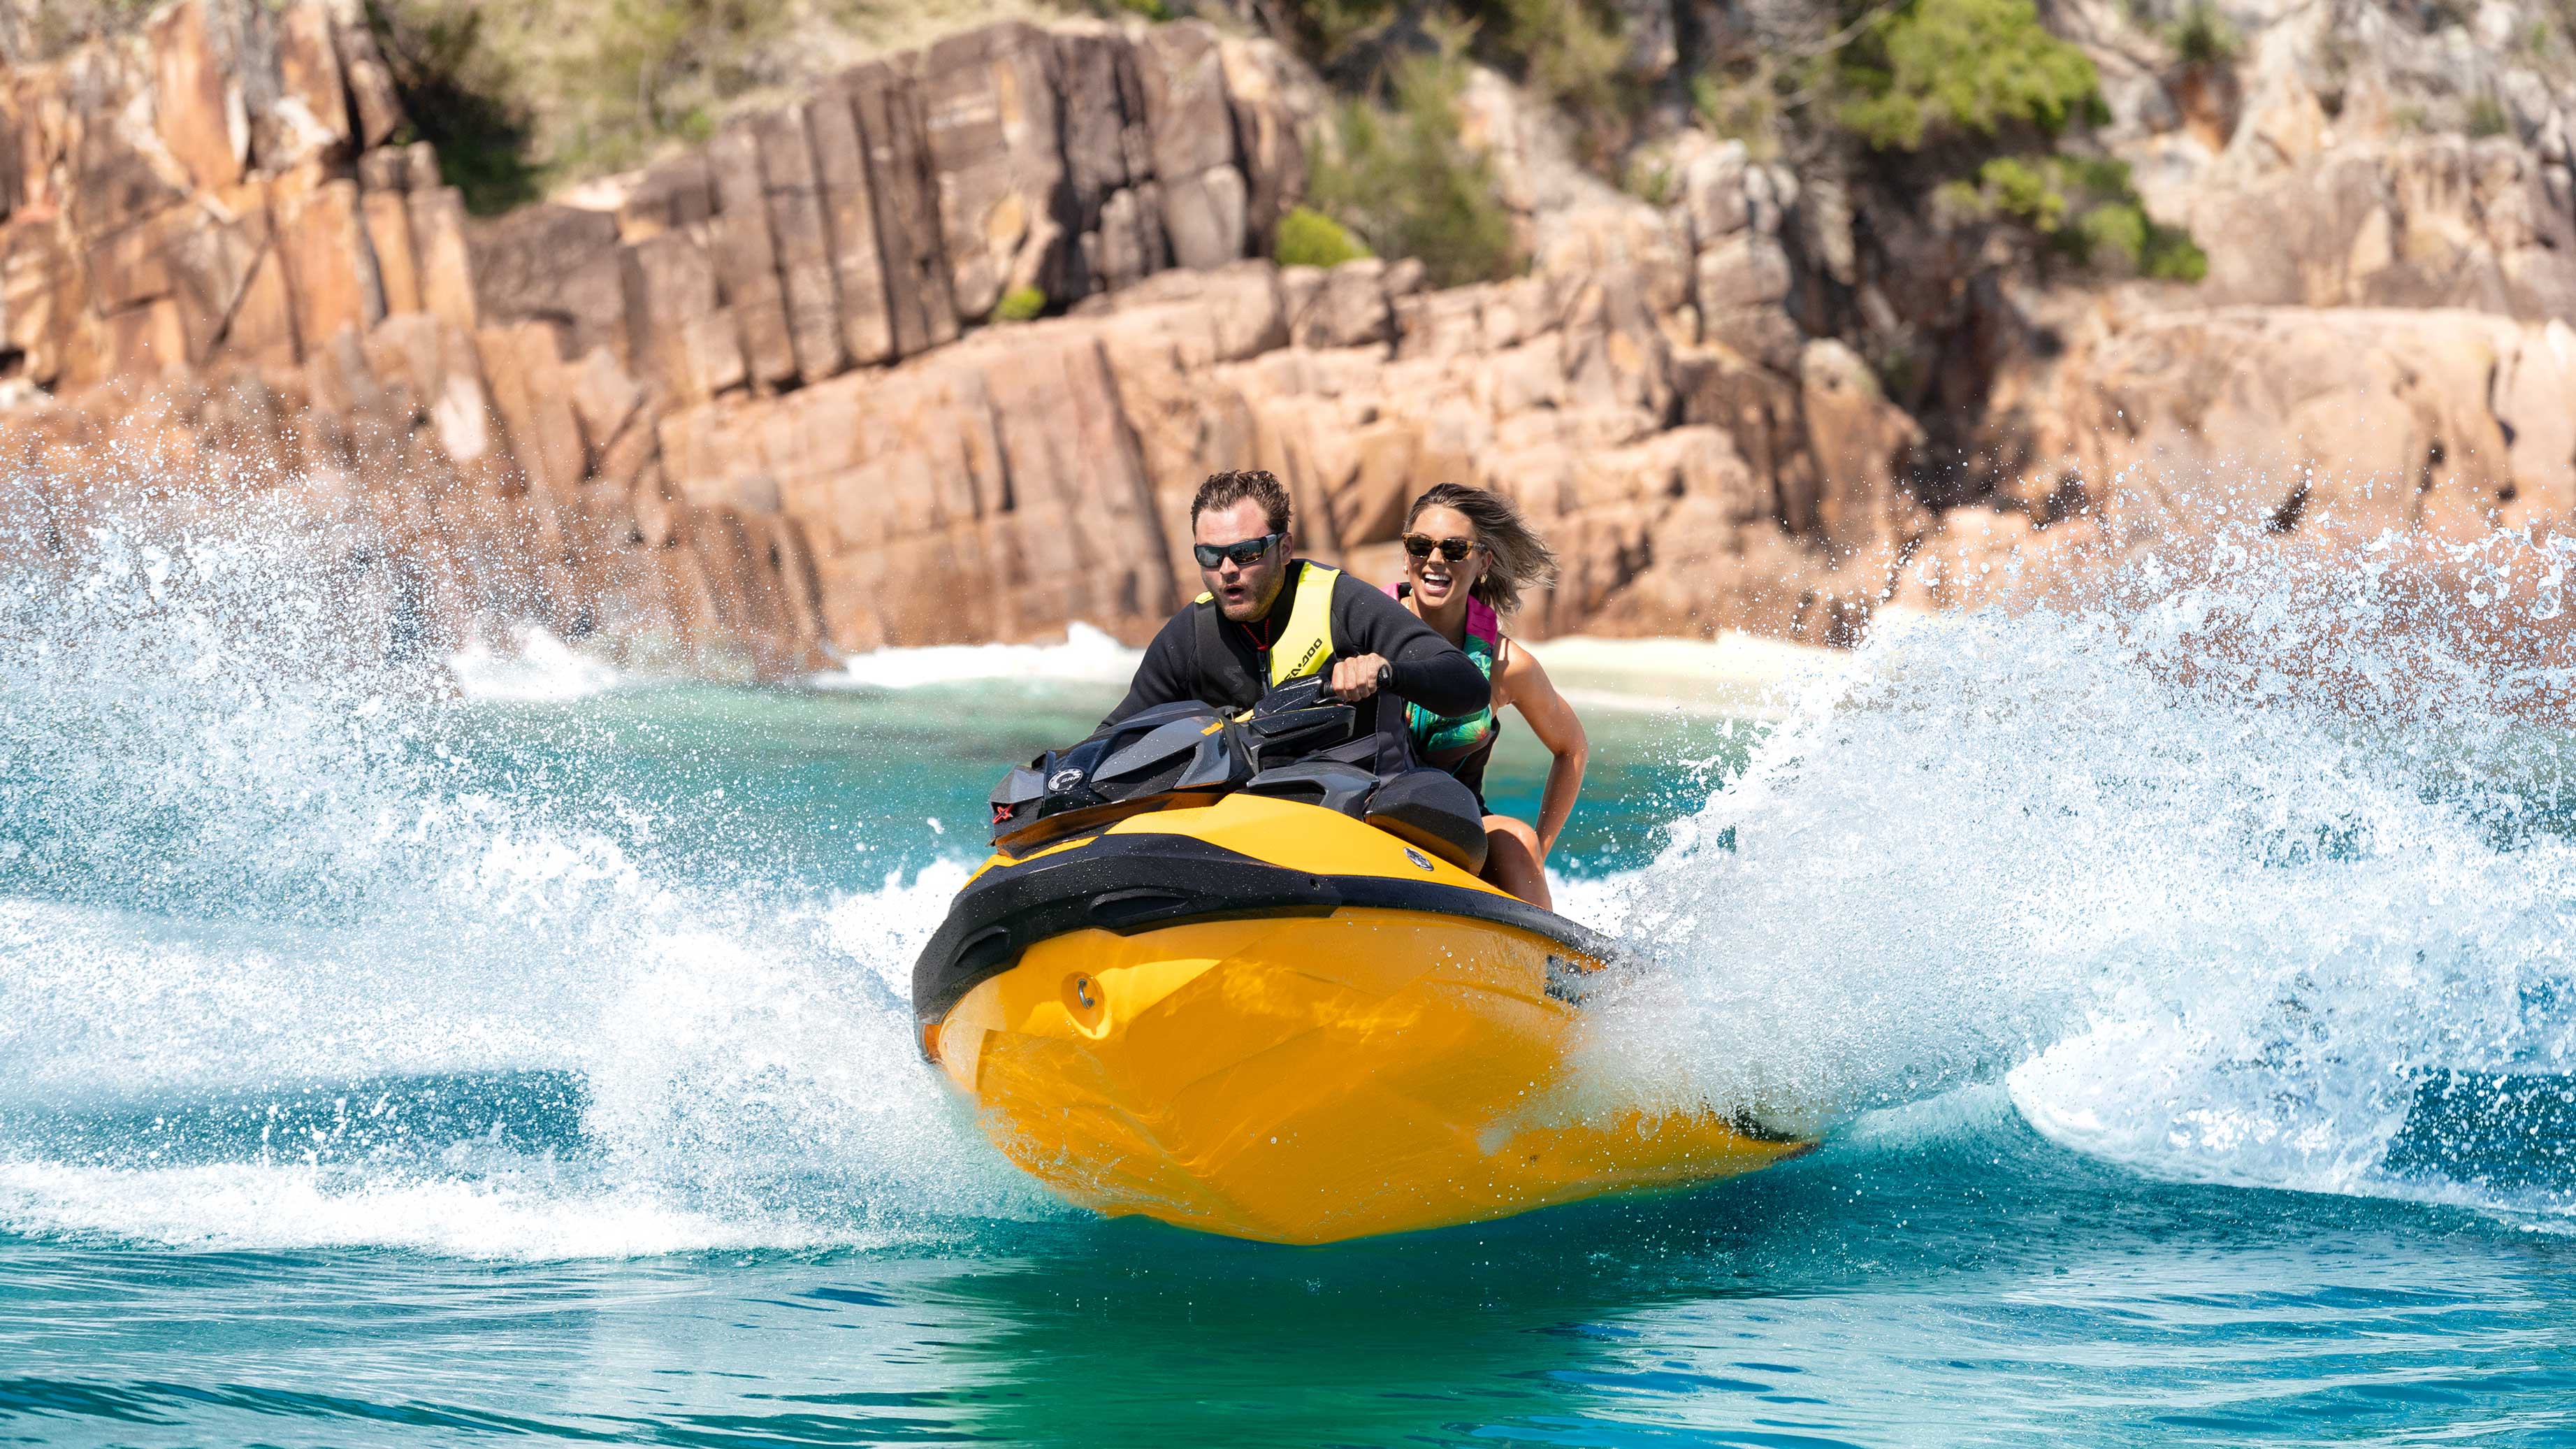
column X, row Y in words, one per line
column 1436, row 578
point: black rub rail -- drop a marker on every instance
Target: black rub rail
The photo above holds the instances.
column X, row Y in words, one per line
column 1142, row 882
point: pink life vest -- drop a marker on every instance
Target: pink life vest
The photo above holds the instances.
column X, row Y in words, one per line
column 1445, row 739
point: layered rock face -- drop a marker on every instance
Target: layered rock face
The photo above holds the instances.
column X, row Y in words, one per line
column 2383, row 340
column 754, row 405
column 216, row 274
column 1035, row 475
column 219, row 281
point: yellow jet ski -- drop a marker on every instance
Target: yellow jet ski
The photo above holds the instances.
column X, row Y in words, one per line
column 1239, row 974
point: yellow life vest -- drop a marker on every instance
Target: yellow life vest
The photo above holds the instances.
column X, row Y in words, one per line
column 1305, row 645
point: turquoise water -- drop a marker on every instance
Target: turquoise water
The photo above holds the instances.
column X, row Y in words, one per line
column 380, row 1064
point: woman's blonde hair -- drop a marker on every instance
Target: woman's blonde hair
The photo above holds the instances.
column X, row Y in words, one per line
column 1516, row 557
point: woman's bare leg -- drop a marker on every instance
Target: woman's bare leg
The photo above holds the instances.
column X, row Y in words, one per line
column 1511, row 860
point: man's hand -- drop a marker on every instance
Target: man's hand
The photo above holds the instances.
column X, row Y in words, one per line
column 1355, row 679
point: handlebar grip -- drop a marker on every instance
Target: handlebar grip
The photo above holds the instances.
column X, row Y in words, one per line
column 1385, row 676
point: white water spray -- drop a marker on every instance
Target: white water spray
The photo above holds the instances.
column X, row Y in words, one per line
column 2216, row 872
column 294, row 950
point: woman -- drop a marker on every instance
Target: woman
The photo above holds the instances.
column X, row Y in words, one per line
column 1467, row 556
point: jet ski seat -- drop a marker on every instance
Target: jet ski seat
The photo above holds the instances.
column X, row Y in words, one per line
column 1428, row 807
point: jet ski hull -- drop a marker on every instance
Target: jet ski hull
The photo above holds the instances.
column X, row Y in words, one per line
column 1343, row 1037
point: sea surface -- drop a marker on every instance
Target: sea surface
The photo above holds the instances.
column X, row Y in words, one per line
column 517, row 1049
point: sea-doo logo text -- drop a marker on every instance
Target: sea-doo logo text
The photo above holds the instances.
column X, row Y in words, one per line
column 1306, row 661
column 1064, row 779
column 1417, row 857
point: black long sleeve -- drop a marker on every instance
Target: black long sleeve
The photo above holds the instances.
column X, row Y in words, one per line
column 1429, row 670
column 1168, row 672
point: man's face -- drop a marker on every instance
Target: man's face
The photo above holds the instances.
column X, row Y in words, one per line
column 1244, row 592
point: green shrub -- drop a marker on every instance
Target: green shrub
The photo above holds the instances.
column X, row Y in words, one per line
column 2017, row 188
column 662, row 68
column 1739, row 109
column 1650, row 181
column 2172, row 255
column 1153, row 10
column 1328, row 28
column 522, row 97
column 2044, row 190
column 1976, row 66
column 1020, row 304
column 1308, row 238
column 460, row 93
column 2085, row 209
column 1569, row 51
column 2203, row 36
column 2487, row 117
column 2123, row 235
column 1400, row 175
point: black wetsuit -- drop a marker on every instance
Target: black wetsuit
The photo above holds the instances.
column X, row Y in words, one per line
column 1203, row 655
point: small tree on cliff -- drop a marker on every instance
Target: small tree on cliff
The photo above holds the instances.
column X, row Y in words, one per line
column 1980, row 91
column 1399, row 174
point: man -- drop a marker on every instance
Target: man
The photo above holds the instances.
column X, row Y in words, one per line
column 1268, row 618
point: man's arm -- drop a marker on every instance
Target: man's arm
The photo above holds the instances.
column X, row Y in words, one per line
column 1169, row 671
column 1429, row 670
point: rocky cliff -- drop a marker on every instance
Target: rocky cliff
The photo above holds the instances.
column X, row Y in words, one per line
column 759, row 401
column 218, row 275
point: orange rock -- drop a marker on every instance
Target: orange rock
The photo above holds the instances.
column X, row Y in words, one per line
column 919, row 298
column 561, row 455
column 310, row 68
column 551, row 261
column 1860, row 442
column 671, row 193
column 388, row 222
column 232, row 286
column 1275, row 101
column 310, row 113
column 112, row 169
column 747, row 257
column 439, row 254
column 538, row 434
column 686, row 341
column 200, row 116
column 805, row 251
column 44, row 305
column 371, row 85
column 849, row 214
column 604, row 397
column 1191, row 125
column 131, row 266
column 147, row 338
column 384, row 169
column 330, row 266
column 990, row 113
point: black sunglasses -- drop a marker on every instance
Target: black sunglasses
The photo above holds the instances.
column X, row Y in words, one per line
column 1209, row 554
column 1453, row 549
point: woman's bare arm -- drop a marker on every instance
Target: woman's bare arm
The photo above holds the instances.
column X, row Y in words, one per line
column 1527, row 687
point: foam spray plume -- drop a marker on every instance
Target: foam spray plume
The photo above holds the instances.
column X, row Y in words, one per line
column 301, row 949
column 2215, row 869
column 2223, row 869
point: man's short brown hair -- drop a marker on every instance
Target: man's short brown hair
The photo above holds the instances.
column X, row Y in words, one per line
column 1224, row 490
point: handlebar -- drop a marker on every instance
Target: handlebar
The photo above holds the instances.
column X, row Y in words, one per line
column 1310, row 691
